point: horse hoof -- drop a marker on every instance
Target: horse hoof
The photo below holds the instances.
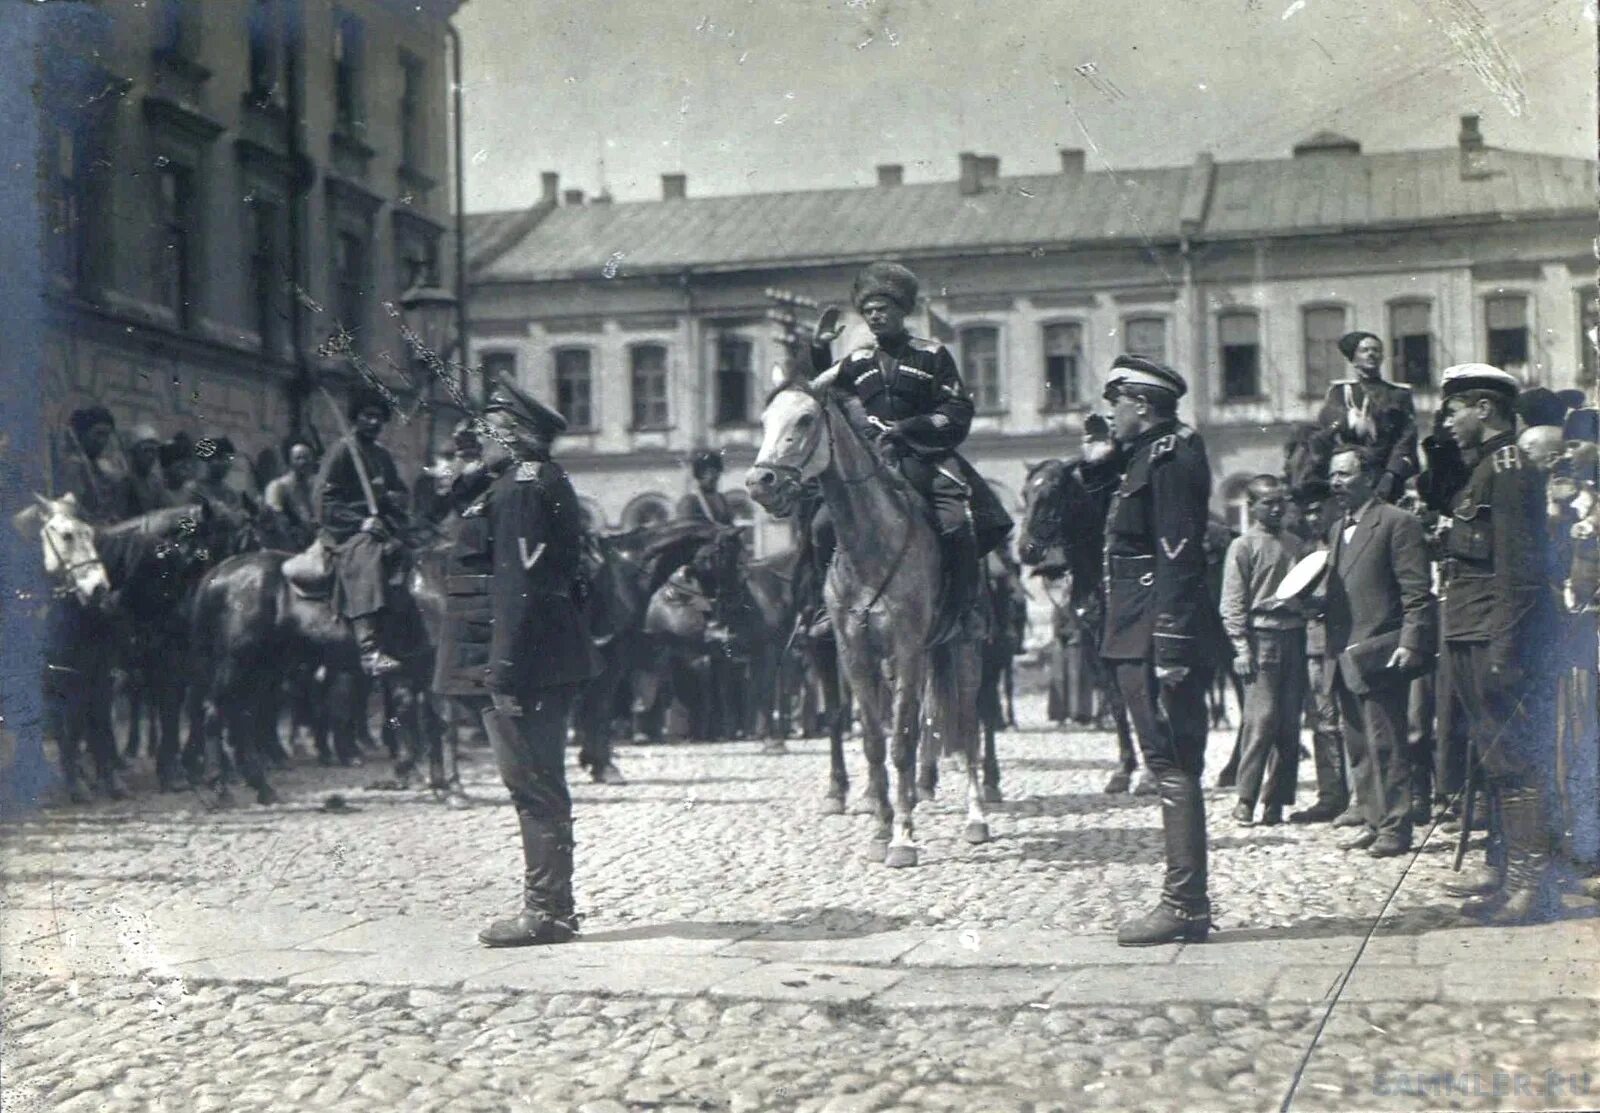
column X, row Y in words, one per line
column 607, row 774
column 832, row 805
column 266, row 794
column 899, row 857
column 457, row 800
column 976, row 833
column 863, row 805
column 992, row 795
column 774, row 746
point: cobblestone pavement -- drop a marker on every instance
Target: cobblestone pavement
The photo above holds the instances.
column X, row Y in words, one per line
column 742, row 952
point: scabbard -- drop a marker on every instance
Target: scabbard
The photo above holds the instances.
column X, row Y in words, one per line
column 1469, row 793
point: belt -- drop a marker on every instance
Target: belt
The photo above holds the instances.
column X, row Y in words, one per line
column 1140, row 567
column 1451, row 568
column 466, row 585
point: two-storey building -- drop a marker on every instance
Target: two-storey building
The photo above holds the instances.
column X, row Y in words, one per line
column 645, row 322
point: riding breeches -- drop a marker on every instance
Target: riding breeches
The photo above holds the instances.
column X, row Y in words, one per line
column 940, row 483
column 359, row 572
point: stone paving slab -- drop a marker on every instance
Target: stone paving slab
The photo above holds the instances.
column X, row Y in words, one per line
column 1029, row 947
column 258, row 966
column 971, row 989
column 1571, row 939
column 864, row 950
column 1112, row 985
column 442, row 968
column 786, row 981
column 548, row 971
column 1522, row 981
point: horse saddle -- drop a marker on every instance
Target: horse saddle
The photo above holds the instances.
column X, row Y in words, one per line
column 678, row 608
column 310, row 572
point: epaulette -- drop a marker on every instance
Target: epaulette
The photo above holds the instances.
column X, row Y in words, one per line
column 1508, row 458
column 1400, row 386
column 1184, row 431
column 864, row 353
column 1164, row 446
column 923, row 345
column 528, row 471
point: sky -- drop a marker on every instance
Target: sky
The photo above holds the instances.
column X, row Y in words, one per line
column 764, row 95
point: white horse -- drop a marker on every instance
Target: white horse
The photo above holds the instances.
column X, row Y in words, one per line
column 70, row 557
column 882, row 593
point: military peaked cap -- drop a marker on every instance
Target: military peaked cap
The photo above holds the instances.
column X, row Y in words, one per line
column 1477, row 376
column 1138, row 371
column 525, row 410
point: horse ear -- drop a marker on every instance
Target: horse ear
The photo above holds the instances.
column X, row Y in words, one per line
column 30, row 519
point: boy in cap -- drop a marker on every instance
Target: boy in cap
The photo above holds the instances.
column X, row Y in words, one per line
column 912, row 391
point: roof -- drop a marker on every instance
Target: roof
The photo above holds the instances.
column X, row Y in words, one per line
column 1319, row 193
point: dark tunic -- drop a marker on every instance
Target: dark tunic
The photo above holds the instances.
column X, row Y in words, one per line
column 341, row 503
column 539, row 637
column 467, row 624
column 1158, row 607
column 101, row 494
column 1379, row 414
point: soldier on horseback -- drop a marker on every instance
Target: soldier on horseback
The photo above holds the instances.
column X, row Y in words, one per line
column 706, row 503
column 1369, row 410
column 912, row 392
column 361, row 503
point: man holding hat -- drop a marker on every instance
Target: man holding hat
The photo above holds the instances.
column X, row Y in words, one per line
column 1369, row 410
column 1499, row 632
column 539, row 654
column 1161, row 628
column 706, row 503
column 360, row 499
column 912, row 391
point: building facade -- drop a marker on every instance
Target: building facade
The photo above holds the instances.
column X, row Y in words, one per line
column 228, row 184
column 646, row 322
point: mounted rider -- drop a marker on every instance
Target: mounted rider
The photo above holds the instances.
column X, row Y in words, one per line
column 912, row 392
column 361, row 502
column 706, row 503
column 86, row 473
column 1370, row 410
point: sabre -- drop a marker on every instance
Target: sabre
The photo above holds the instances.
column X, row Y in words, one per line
column 355, row 450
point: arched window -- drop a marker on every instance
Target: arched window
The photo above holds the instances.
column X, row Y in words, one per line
column 1239, row 348
column 1411, row 342
column 980, row 366
column 575, row 387
column 1322, row 326
column 648, row 366
column 646, row 510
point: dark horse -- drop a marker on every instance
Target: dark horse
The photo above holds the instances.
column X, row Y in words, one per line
column 250, row 625
column 1061, row 511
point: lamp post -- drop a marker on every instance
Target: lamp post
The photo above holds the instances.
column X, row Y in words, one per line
column 430, row 312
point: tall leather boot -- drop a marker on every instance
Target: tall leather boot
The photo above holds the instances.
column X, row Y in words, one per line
column 374, row 661
column 1531, row 894
column 547, row 915
column 1184, row 914
column 958, row 557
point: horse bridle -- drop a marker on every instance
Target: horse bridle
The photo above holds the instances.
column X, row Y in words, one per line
column 821, row 429
column 67, row 569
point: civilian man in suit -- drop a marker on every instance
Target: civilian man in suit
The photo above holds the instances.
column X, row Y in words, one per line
column 1380, row 615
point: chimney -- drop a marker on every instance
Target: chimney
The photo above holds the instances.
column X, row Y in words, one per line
column 988, row 171
column 969, row 173
column 1071, row 160
column 1474, row 154
column 891, row 174
column 572, row 197
column 552, row 187
column 674, row 187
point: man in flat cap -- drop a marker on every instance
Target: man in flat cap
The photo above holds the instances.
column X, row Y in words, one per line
column 911, row 389
column 1499, row 632
column 706, row 503
column 539, row 653
column 360, row 502
column 1369, row 410
column 1161, row 627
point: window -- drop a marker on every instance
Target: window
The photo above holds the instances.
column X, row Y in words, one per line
column 734, row 355
column 412, row 96
column 1588, row 335
column 980, row 362
column 1323, row 325
column 497, row 368
column 1239, row 339
column 1507, row 320
column 177, row 28
column 1063, row 366
column 347, row 61
column 649, row 376
column 1411, row 343
column 350, row 281
column 1146, row 337
column 267, row 271
column 416, row 259
column 175, row 209
column 265, row 66
column 575, row 387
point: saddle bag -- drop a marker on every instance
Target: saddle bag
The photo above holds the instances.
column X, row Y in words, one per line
column 311, row 570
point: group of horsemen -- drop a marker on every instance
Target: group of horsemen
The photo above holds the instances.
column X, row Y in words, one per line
column 522, row 536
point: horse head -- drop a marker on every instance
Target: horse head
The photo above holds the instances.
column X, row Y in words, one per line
column 795, row 447
column 1044, row 510
column 69, row 550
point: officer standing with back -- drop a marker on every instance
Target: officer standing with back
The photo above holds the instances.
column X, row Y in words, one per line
column 1500, row 633
column 1161, row 627
column 540, row 654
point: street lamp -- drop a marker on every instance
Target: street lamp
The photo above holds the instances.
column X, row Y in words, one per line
column 430, row 312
